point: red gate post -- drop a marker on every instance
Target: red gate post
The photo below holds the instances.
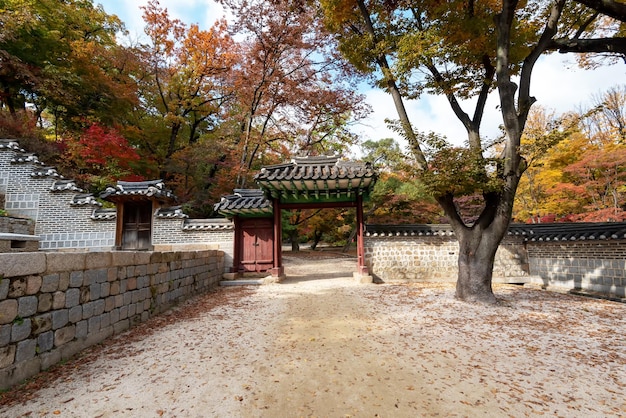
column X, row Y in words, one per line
column 238, row 244
column 360, row 246
column 278, row 270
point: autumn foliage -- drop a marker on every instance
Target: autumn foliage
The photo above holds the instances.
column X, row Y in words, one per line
column 100, row 156
column 579, row 173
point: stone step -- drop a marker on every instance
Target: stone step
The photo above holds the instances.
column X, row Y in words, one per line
column 241, row 282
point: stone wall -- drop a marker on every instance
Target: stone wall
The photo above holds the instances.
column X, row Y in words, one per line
column 434, row 259
column 54, row 304
column 17, row 225
column 590, row 257
column 598, row 266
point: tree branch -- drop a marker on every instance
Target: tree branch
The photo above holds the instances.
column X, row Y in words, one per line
column 600, row 45
column 524, row 99
column 611, row 8
column 392, row 87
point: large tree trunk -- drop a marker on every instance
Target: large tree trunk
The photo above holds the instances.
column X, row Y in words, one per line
column 317, row 237
column 477, row 251
column 478, row 244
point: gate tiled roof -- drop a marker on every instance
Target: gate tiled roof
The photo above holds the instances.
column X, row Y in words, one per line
column 317, row 177
column 138, row 190
column 244, row 202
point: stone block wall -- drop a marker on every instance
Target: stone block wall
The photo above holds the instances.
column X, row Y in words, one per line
column 55, row 304
column 591, row 265
column 17, row 225
column 434, row 259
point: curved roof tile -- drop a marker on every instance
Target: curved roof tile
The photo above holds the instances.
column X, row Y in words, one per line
column 244, row 201
column 154, row 189
column 552, row 232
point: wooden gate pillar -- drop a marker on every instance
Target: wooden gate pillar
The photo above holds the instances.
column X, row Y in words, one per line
column 237, row 246
column 360, row 246
column 278, row 270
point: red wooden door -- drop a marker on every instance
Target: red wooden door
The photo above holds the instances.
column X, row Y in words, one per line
column 257, row 244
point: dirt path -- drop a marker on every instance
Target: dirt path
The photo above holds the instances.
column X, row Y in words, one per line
column 332, row 348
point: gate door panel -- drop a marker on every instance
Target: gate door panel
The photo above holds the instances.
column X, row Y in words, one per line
column 137, row 227
column 257, row 252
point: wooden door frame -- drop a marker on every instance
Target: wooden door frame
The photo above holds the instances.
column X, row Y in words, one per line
column 119, row 227
column 279, row 269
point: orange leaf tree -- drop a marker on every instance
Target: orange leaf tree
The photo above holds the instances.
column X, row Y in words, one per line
column 289, row 96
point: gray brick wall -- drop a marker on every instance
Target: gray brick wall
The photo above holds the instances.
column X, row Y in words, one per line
column 169, row 233
column 62, row 225
column 591, row 265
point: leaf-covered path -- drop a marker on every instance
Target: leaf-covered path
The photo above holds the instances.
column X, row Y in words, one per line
column 322, row 345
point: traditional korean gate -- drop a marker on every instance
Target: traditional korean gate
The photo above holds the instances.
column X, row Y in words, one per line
column 136, row 203
column 258, row 243
column 304, row 183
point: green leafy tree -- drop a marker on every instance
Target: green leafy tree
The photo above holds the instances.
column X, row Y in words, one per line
column 184, row 85
column 398, row 197
column 61, row 56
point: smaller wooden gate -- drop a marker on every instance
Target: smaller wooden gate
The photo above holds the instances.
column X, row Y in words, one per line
column 136, row 203
column 137, row 226
column 257, row 241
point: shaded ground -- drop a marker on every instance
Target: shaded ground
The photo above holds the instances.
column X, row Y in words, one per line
column 321, row 345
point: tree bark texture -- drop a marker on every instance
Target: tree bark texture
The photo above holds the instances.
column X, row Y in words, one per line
column 477, row 250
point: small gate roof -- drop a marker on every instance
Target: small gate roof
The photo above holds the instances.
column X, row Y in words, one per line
column 244, row 202
column 138, row 190
column 317, row 179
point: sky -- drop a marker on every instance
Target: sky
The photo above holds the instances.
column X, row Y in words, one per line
column 557, row 83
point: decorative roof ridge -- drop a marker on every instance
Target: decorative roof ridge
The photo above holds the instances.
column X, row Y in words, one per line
column 46, row 172
column 248, row 192
column 140, row 184
column 104, row 214
column 150, row 188
column 316, row 160
column 62, row 185
column 247, row 201
column 23, row 157
column 409, row 230
column 10, row 144
column 529, row 232
column 173, row 212
column 208, row 224
column 84, row 199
